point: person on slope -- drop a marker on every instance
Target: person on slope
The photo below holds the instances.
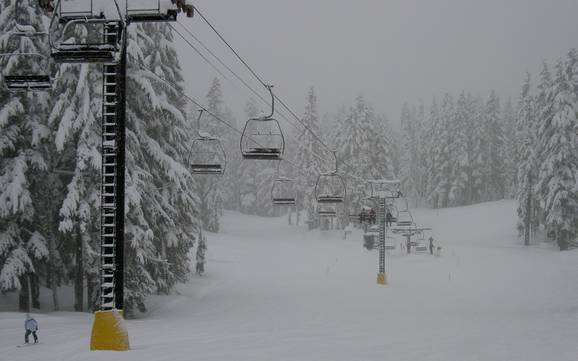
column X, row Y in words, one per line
column 388, row 218
column 431, row 245
column 31, row 326
column 372, row 216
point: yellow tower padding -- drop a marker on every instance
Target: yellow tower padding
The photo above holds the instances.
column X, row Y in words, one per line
column 109, row 332
column 381, row 279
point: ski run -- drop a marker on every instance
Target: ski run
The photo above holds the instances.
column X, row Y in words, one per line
column 279, row 292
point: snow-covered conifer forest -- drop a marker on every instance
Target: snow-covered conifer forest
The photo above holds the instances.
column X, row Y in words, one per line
column 493, row 176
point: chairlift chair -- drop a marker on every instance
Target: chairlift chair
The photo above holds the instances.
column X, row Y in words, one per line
column 326, row 212
column 283, row 192
column 207, row 154
column 103, row 51
column 262, row 137
column 419, row 247
column 330, row 187
column 390, row 243
column 384, row 188
column 27, row 78
column 404, row 219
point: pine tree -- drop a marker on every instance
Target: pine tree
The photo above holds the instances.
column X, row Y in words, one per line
column 462, row 152
column 75, row 117
column 446, row 151
column 161, row 205
column 410, row 170
column 527, row 160
column 306, row 157
column 432, row 155
column 209, row 191
column 510, row 145
column 557, row 178
column 23, row 131
column 493, row 135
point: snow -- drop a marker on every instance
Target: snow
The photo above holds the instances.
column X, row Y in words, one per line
column 278, row 292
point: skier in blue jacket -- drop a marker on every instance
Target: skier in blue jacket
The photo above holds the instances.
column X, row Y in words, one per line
column 31, row 327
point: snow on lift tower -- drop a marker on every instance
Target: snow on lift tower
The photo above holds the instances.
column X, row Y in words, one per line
column 207, row 155
column 385, row 188
column 262, row 137
column 330, row 187
column 136, row 10
column 84, row 13
column 21, row 75
column 156, row 10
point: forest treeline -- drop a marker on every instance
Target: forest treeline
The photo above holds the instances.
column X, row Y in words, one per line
column 461, row 149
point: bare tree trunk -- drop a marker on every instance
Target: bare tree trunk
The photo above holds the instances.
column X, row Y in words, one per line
column 298, row 218
column 24, row 296
column 79, row 273
column 52, row 272
column 528, row 219
column 562, row 239
column 35, row 291
column 91, row 291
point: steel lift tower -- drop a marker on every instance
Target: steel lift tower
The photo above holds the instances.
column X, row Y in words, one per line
column 108, row 331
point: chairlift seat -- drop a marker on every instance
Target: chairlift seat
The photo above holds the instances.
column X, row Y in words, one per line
column 206, row 169
column 25, row 82
column 262, row 153
column 142, row 16
column 76, row 16
column 283, row 191
column 404, row 223
column 284, row 201
column 326, row 214
column 79, row 56
column 329, row 199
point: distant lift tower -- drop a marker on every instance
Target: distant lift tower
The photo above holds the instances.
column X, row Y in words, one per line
column 381, row 192
column 108, row 331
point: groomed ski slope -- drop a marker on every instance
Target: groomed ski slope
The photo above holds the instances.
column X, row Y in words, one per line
column 277, row 292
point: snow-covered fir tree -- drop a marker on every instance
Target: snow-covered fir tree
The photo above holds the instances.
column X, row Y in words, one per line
column 510, row 145
column 307, row 157
column 161, row 205
column 23, row 161
column 493, row 135
column 209, row 191
column 410, row 169
column 527, row 163
column 446, row 149
column 558, row 175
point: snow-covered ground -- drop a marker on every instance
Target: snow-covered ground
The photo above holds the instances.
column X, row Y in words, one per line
column 278, row 292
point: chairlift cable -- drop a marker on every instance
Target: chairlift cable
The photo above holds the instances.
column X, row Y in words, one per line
column 323, row 160
column 198, row 52
column 265, row 85
column 201, row 107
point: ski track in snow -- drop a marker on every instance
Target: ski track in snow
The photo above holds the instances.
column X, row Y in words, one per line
column 276, row 292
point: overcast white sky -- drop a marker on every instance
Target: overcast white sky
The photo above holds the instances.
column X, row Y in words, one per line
column 390, row 51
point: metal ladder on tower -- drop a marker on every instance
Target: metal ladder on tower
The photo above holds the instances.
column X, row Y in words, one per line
column 109, row 185
column 381, row 276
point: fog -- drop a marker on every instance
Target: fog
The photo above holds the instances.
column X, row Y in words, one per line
column 389, row 51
